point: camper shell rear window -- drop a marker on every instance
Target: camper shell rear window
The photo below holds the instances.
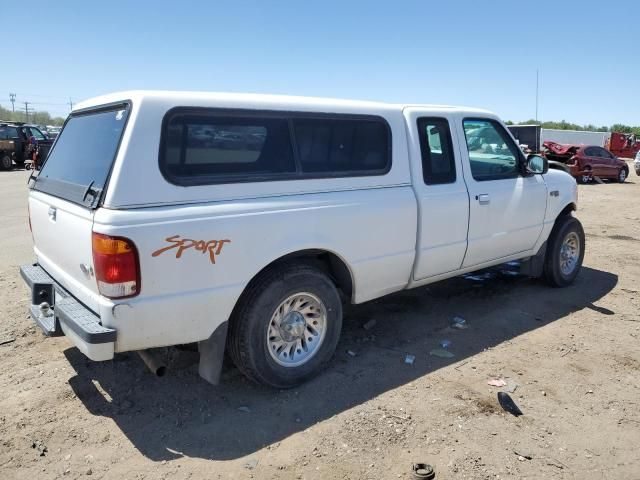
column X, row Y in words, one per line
column 80, row 162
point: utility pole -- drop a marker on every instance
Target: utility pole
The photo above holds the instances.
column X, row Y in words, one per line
column 537, row 89
column 12, row 97
column 70, row 104
column 26, row 110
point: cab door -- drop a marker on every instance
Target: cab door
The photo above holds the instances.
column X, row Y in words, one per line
column 507, row 208
column 443, row 201
column 595, row 160
column 608, row 162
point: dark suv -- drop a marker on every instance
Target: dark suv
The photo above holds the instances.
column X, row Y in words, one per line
column 18, row 141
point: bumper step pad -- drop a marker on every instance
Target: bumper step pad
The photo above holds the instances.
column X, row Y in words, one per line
column 66, row 309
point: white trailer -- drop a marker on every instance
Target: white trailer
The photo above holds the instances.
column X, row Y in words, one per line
column 576, row 137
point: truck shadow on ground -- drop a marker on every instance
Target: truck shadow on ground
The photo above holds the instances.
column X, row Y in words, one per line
column 181, row 415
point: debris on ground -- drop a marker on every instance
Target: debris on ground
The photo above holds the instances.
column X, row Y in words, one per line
column 508, row 405
column 351, row 353
column 496, row 382
column 510, row 273
column 511, row 386
column 409, row 359
column 480, row 277
column 445, row 343
column 441, row 352
column 423, row 471
column 244, row 409
column 251, row 464
column 40, row 447
column 370, row 324
column 523, row 455
column 6, row 340
column 459, row 323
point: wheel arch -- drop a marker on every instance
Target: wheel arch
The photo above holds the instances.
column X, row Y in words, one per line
column 567, row 210
column 212, row 349
column 328, row 261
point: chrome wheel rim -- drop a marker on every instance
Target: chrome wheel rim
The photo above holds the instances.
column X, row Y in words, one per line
column 622, row 176
column 297, row 329
column 569, row 253
column 585, row 178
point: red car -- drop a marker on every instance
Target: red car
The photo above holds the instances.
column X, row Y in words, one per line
column 587, row 161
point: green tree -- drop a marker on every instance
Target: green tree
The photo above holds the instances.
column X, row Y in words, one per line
column 37, row 117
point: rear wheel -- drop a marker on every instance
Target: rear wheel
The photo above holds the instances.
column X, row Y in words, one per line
column 5, row 162
column 565, row 252
column 287, row 326
column 622, row 175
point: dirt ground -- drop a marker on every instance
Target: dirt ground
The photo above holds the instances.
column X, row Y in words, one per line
column 572, row 354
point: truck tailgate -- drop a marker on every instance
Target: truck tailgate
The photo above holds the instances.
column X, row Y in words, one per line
column 62, row 238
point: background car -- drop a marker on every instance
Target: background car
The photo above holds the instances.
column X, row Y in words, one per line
column 587, row 161
column 636, row 163
column 53, row 131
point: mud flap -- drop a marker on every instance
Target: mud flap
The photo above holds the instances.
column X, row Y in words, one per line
column 533, row 266
column 212, row 354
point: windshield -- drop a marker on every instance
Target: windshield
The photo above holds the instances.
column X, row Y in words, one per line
column 79, row 163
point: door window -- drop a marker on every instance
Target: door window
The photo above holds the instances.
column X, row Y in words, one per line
column 438, row 163
column 34, row 132
column 591, row 152
column 492, row 153
column 605, row 154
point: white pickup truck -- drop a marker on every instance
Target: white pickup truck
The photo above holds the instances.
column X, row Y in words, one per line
column 244, row 222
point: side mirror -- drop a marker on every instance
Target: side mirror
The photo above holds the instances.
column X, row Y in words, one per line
column 537, row 164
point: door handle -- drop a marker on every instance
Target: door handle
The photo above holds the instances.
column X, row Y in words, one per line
column 483, row 198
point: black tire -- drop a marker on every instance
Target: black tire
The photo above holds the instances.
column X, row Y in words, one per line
column 5, row 162
column 584, row 179
column 247, row 340
column 623, row 173
column 565, row 226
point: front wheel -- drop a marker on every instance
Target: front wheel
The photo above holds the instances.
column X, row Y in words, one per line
column 622, row 175
column 5, row 162
column 565, row 252
column 584, row 179
column 287, row 325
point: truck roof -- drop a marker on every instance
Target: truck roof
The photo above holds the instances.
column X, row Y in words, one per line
column 253, row 100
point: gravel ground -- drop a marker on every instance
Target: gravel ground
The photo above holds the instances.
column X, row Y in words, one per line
column 571, row 355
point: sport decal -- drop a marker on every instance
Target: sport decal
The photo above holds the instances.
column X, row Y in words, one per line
column 214, row 247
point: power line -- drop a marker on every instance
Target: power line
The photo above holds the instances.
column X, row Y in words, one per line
column 40, row 95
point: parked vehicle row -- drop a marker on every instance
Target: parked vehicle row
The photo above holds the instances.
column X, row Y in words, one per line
column 20, row 142
column 253, row 248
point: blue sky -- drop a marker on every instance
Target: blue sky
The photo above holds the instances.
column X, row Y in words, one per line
column 479, row 53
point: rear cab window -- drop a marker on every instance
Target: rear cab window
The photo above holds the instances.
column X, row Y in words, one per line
column 436, row 148
column 78, row 167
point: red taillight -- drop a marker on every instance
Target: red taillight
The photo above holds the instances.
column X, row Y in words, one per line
column 115, row 260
